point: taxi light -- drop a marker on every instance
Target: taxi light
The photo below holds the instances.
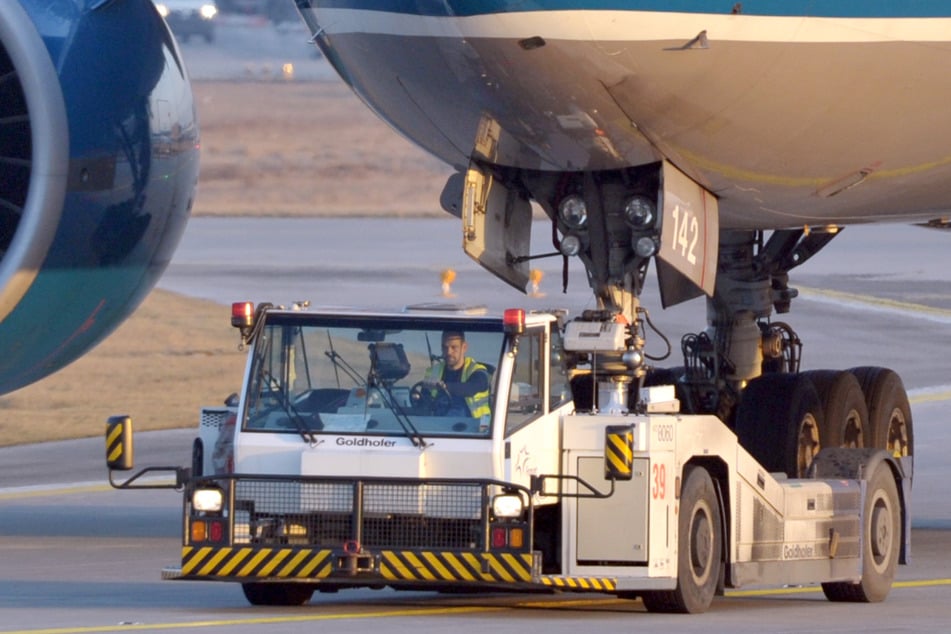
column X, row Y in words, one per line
column 242, row 314
column 513, row 320
column 570, row 245
column 208, row 11
column 199, row 531
column 207, row 500
column 507, row 506
column 645, row 246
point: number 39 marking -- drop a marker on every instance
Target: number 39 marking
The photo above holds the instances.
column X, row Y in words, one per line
column 686, row 233
column 658, row 481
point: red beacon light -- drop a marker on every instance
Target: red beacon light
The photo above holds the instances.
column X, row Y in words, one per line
column 242, row 315
column 513, row 320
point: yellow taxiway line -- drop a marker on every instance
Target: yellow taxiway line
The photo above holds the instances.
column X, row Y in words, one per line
column 361, row 614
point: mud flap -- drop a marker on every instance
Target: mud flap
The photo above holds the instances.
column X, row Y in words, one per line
column 689, row 238
column 496, row 226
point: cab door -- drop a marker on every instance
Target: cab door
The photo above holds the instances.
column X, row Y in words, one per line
column 538, row 395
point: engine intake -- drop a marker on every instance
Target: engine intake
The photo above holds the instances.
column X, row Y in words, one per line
column 98, row 167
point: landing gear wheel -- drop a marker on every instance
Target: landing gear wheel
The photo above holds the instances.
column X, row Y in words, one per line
column 881, row 535
column 778, row 422
column 889, row 414
column 431, row 399
column 277, row 593
column 844, row 409
column 699, row 548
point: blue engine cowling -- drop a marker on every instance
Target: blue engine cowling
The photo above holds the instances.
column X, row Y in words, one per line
column 98, row 168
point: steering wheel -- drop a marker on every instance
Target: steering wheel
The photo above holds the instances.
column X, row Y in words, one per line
column 429, row 398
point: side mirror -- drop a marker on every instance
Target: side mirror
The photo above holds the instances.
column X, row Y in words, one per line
column 119, row 454
column 619, row 452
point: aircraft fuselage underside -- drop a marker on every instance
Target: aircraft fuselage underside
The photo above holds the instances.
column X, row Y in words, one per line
column 789, row 121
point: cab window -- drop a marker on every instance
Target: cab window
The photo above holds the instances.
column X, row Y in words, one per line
column 527, row 394
column 559, row 390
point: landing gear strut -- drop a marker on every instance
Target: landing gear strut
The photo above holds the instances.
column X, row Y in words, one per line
column 744, row 366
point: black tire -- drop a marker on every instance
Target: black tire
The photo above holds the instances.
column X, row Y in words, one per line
column 277, row 593
column 779, row 421
column 881, row 537
column 700, row 547
column 889, row 413
column 844, row 409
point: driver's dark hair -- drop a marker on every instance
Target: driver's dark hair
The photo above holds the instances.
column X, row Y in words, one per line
column 453, row 334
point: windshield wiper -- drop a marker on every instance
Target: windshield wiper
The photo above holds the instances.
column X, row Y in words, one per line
column 398, row 412
column 292, row 414
column 340, row 363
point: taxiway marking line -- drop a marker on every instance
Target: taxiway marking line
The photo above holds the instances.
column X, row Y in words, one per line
column 143, row 627
column 43, row 490
column 410, row 612
column 17, row 493
column 879, row 304
column 915, row 397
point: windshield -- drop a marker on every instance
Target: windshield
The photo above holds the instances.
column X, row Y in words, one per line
column 417, row 377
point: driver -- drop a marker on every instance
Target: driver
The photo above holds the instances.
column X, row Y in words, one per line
column 465, row 379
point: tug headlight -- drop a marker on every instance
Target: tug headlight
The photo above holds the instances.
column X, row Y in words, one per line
column 507, row 506
column 573, row 211
column 207, row 500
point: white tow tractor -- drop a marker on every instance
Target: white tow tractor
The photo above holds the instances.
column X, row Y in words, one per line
column 343, row 464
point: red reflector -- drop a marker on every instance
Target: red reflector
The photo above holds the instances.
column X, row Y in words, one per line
column 217, row 531
column 498, row 538
column 242, row 314
column 513, row 320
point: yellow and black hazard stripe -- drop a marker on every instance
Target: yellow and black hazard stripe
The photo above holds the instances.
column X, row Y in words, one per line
column 600, row 584
column 241, row 562
column 619, row 452
column 119, row 442
column 406, row 565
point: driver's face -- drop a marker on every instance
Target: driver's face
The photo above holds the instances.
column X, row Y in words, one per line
column 454, row 352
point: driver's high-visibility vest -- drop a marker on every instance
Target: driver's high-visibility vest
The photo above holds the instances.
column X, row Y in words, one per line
column 478, row 403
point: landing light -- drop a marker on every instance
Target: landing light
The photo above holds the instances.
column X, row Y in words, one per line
column 573, row 211
column 208, row 11
column 639, row 211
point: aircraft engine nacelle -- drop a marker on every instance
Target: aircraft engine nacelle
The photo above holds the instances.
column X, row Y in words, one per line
column 98, row 168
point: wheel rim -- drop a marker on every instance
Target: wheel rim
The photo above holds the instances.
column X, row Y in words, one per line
column 897, row 444
column 882, row 533
column 701, row 544
column 854, row 434
column 808, row 445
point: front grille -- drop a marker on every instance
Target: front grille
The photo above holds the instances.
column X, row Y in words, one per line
column 376, row 514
